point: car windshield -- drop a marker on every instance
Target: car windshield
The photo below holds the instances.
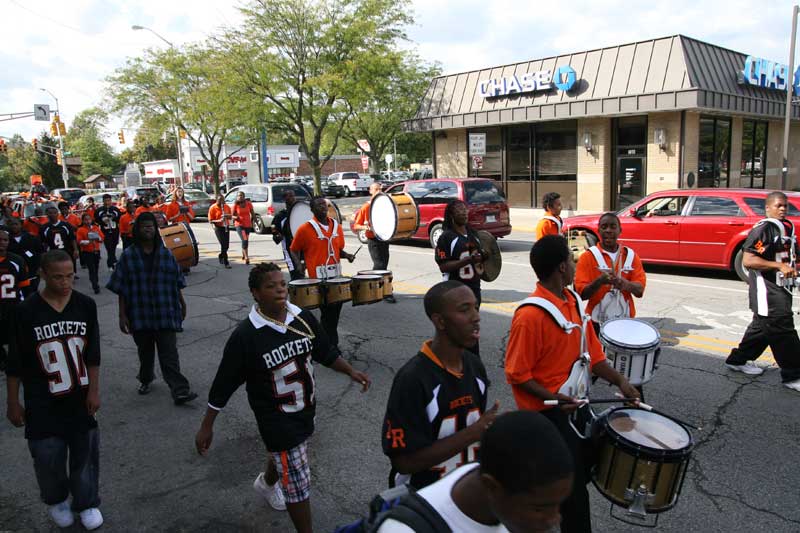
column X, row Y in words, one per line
column 482, row 192
column 71, row 195
column 279, row 190
column 30, row 208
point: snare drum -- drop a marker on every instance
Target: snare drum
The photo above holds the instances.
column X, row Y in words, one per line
column 632, row 346
column 179, row 240
column 337, row 290
column 306, row 293
column 393, row 216
column 642, row 461
column 367, row 289
column 387, row 279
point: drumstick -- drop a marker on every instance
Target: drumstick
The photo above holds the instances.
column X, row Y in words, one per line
column 359, row 248
column 584, row 401
column 650, row 408
column 640, row 403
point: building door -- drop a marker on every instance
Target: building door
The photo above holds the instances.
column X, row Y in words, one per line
column 630, row 180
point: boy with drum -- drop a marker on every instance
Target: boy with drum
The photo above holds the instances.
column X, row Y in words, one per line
column 378, row 250
column 542, row 357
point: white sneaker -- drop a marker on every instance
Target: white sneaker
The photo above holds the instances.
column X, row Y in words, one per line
column 91, row 518
column 749, row 368
column 62, row 514
column 794, row 385
column 272, row 493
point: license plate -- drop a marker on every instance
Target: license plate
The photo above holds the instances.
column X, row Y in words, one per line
column 490, row 218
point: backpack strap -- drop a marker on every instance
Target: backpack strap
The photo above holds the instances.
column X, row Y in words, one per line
column 415, row 512
column 598, row 256
column 629, row 255
column 552, row 310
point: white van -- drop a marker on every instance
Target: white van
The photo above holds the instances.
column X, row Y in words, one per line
column 352, row 182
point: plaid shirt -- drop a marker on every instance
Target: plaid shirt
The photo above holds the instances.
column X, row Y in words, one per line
column 152, row 299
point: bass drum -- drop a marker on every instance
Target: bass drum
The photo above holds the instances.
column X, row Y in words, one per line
column 301, row 213
column 393, row 216
column 180, row 240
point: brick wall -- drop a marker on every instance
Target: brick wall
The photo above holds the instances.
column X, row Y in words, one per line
column 451, row 153
column 663, row 168
column 594, row 168
column 691, row 147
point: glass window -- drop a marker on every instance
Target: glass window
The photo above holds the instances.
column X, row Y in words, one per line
column 757, row 205
column 278, row 191
column 416, row 190
column 436, row 192
column 714, row 206
column 482, row 192
column 714, row 152
column 556, row 151
column 493, row 160
column 665, row 206
column 632, row 131
column 754, row 154
column 518, row 150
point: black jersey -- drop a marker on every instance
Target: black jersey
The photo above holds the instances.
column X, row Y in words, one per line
column 766, row 240
column 108, row 220
column 428, row 403
column 29, row 248
column 280, row 225
column 58, row 236
column 277, row 366
column 453, row 246
column 13, row 278
column 50, row 353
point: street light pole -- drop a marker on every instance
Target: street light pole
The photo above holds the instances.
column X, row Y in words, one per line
column 789, row 94
column 64, row 172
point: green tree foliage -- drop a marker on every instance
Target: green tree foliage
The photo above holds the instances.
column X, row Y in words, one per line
column 85, row 139
column 414, row 148
column 300, row 61
column 153, row 141
column 16, row 166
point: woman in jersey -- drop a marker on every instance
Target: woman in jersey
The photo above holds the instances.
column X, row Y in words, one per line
column 276, row 345
column 243, row 221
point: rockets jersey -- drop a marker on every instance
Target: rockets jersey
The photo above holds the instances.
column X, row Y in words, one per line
column 453, row 246
column 276, row 364
column 427, row 403
column 108, row 219
column 58, row 236
column 50, row 352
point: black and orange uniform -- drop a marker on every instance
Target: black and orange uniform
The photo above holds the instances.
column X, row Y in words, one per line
column 58, row 236
column 453, row 246
column 429, row 402
column 771, row 303
column 13, row 280
column 108, row 219
column 28, row 248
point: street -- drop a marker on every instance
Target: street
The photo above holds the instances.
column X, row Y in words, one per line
column 741, row 476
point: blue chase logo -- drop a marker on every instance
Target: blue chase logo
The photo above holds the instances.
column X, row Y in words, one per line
column 563, row 79
column 769, row 75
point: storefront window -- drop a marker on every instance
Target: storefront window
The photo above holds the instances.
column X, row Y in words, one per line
column 493, row 160
column 714, row 152
column 754, row 154
column 556, row 160
column 519, row 186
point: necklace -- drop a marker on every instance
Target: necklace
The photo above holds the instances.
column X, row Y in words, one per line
column 309, row 333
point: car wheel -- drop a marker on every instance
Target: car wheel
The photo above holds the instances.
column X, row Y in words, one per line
column 362, row 236
column 347, row 191
column 258, row 225
column 738, row 265
column 434, row 233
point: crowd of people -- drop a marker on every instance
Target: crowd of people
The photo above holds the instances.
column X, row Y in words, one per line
column 462, row 464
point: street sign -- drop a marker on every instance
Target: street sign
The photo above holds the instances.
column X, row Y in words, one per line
column 41, row 112
column 388, row 158
column 363, row 145
column 477, row 162
column 364, row 162
column 477, row 144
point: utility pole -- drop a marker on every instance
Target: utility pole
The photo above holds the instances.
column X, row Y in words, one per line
column 394, row 141
column 789, row 94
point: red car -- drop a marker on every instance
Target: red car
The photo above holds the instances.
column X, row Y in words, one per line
column 690, row 227
column 487, row 206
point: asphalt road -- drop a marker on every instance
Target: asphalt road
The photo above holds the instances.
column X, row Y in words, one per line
column 742, row 475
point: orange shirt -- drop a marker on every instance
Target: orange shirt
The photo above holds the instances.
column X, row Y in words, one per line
column 142, row 209
column 174, row 208
column 82, row 236
column 315, row 250
column 88, row 211
column 33, row 224
column 546, row 227
column 587, row 271
column 245, row 214
column 72, row 219
column 362, row 218
column 539, row 349
column 125, row 222
column 215, row 213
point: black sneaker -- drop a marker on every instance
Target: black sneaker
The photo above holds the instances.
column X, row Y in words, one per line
column 219, row 256
column 185, row 398
column 144, row 388
column 390, row 299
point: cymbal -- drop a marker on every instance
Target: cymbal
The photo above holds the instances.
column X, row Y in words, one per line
column 493, row 261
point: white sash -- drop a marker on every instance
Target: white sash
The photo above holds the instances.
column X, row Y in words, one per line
column 556, row 220
column 331, row 268
column 613, row 304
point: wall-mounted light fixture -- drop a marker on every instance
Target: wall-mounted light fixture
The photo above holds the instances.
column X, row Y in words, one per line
column 587, row 140
column 660, row 138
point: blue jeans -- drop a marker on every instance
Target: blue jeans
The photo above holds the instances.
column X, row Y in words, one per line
column 56, row 482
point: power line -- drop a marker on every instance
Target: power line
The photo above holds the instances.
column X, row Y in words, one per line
column 46, row 17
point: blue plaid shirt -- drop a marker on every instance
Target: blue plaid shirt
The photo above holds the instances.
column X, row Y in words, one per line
column 152, row 299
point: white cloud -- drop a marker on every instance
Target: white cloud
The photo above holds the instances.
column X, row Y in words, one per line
column 70, row 47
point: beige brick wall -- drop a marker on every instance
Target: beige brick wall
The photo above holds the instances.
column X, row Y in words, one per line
column 451, row 153
column 691, row 142
column 775, row 156
column 663, row 167
column 594, row 168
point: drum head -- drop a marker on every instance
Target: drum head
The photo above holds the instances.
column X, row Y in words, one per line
column 303, row 282
column 494, row 261
column 367, row 277
column 333, row 212
column 383, row 216
column 630, row 333
column 338, row 281
column 299, row 215
column 650, row 430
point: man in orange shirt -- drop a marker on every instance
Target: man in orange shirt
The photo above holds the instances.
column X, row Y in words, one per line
column 68, row 216
column 542, row 357
column 321, row 241
column 550, row 224
column 126, row 223
column 378, row 250
column 89, row 237
column 219, row 216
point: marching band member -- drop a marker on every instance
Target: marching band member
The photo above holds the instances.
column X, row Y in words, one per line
column 282, row 235
column 107, row 217
column 89, row 238
column 770, row 254
column 550, row 223
column 378, row 250
column 68, row 216
column 126, row 225
column 243, row 221
column 321, row 241
column 179, row 210
column 219, row 216
column 547, row 346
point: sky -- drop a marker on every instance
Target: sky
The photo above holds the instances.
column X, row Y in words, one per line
column 69, row 47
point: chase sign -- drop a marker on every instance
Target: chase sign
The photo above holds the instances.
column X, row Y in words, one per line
column 543, row 80
column 769, row 75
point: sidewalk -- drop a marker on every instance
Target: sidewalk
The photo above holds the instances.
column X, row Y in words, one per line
column 524, row 219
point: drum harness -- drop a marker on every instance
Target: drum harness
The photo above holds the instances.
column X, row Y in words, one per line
column 331, row 268
column 788, row 284
column 613, row 303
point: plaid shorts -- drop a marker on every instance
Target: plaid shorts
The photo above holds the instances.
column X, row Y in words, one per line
column 294, row 472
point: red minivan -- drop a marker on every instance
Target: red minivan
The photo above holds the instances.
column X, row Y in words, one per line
column 487, row 206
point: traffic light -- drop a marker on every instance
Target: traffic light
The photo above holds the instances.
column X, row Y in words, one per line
column 121, row 136
column 182, row 134
column 59, row 158
column 62, row 129
column 54, row 129
column 3, row 147
column 35, row 144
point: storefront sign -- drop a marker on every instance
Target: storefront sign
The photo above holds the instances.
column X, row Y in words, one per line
column 543, row 80
column 769, row 75
column 477, row 144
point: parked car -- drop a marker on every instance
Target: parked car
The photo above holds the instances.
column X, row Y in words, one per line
column 689, row 227
column 98, row 198
column 486, row 205
column 199, row 200
column 136, row 193
column 352, row 182
column 230, row 184
column 70, row 195
column 385, row 182
column 330, row 188
column 267, row 200
column 198, row 186
column 424, row 174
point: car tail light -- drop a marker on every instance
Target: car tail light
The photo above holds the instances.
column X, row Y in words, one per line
column 354, row 183
column 270, row 210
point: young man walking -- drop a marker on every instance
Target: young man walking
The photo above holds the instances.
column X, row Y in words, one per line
column 108, row 217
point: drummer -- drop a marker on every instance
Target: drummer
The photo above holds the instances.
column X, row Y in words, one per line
column 282, row 235
column 540, row 357
column 378, row 250
column 321, row 241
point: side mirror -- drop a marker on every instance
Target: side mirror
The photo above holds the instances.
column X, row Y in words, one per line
column 633, row 212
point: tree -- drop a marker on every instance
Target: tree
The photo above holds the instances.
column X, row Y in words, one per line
column 414, row 148
column 300, row 60
column 16, row 166
column 153, row 142
column 86, row 140
column 190, row 89
column 385, row 97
